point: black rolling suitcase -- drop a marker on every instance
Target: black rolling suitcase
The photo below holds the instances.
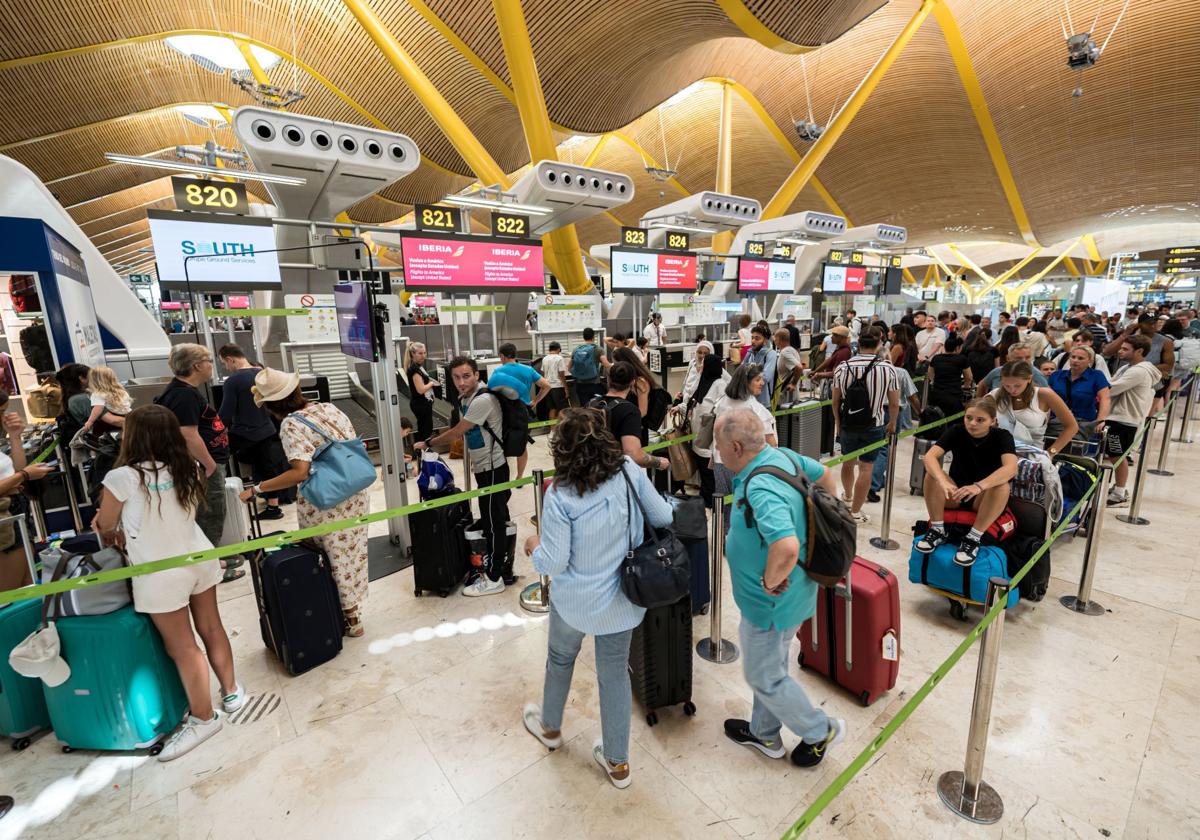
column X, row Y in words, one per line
column 299, row 612
column 439, row 547
column 660, row 659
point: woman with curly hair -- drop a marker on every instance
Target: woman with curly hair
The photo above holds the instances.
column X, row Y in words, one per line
column 590, row 519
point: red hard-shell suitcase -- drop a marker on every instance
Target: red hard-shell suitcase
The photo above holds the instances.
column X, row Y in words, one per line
column 867, row 661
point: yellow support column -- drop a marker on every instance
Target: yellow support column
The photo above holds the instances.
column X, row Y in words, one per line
column 807, row 167
column 531, row 104
column 1013, row 296
column 260, row 75
column 722, row 241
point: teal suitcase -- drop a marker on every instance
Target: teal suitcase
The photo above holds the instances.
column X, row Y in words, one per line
column 124, row 692
column 22, row 705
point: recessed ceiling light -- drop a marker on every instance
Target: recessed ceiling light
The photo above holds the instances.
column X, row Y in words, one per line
column 221, row 51
column 204, row 113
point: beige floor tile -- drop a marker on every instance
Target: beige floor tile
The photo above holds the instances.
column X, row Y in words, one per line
column 364, row 774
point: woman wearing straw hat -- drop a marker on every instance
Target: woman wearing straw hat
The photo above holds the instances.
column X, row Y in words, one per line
column 279, row 393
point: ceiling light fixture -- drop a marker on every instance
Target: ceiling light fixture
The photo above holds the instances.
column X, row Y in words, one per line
column 795, row 240
column 663, row 224
column 202, row 114
column 473, row 201
column 198, row 169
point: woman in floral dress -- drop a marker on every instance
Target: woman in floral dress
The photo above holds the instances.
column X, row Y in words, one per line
column 280, row 394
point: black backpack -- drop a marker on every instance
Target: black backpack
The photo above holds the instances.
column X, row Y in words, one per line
column 832, row 533
column 856, row 411
column 514, row 424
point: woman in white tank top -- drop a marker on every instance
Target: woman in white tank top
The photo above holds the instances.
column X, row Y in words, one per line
column 1024, row 409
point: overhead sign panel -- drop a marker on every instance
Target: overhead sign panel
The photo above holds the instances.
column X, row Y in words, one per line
column 843, row 279
column 766, row 275
column 652, row 271
column 448, row 263
column 194, row 195
column 215, row 253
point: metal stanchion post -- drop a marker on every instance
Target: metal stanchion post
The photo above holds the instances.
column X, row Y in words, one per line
column 1161, row 469
column 1135, row 505
column 1082, row 602
column 925, row 392
column 714, row 648
column 884, row 541
column 965, row 792
column 467, row 474
column 535, row 597
column 39, row 520
column 1184, row 435
column 64, row 469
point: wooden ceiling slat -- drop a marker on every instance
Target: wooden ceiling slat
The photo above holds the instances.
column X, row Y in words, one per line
column 811, row 22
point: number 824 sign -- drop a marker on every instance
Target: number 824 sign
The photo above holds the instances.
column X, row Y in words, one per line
column 210, row 196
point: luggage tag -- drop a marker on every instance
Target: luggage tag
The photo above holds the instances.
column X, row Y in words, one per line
column 891, row 648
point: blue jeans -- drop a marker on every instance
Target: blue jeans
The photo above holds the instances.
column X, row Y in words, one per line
column 879, row 473
column 612, row 672
column 778, row 699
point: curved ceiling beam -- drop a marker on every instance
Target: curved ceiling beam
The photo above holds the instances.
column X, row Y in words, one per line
column 807, row 167
column 159, row 36
column 983, row 117
column 769, row 123
column 754, row 28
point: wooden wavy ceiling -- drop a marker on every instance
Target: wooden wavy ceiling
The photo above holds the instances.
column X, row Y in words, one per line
column 1126, row 151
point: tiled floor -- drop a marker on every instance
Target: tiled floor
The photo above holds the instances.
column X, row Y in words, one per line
column 414, row 731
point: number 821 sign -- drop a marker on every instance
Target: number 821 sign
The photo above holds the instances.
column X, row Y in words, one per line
column 210, row 196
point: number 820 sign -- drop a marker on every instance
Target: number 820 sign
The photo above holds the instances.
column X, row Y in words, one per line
column 210, row 196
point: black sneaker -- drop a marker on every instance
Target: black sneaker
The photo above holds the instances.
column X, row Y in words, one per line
column 271, row 512
column 738, row 731
column 932, row 539
column 873, row 497
column 968, row 550
column 810, row 755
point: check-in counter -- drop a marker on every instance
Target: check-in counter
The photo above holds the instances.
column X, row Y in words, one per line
column 670, row 362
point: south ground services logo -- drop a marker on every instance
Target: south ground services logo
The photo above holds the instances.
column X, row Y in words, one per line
column 231, row 251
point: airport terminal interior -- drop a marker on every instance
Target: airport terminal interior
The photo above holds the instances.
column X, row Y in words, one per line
column 947, row 249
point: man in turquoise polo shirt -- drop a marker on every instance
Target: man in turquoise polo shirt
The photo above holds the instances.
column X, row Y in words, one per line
column 773, row 593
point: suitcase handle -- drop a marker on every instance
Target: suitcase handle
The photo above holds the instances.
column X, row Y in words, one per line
column 844, row 591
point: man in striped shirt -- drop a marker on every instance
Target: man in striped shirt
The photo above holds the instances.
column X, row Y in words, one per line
column 863, row 419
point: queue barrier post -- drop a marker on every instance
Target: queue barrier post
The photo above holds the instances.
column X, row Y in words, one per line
column 39, row 520
column 965, row 792
column 64, row 469
column 535, row 597
column 925, row 392
column 714, row 648
column 884, row 540
column 1082, row 601
column 1139, row 481
column 1161, row 469
column 1184, row 434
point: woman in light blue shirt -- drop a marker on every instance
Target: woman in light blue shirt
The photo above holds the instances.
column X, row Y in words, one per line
column 589, row 522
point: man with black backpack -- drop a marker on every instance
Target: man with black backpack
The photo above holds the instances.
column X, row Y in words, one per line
column 866, row 405
column 786, row 530
column 482, row 425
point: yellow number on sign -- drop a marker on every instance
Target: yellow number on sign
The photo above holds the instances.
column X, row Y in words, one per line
column 194, row 194
column 836, row 256
column 856, row 257
column 514, row 227
column 437, row 218
column 635, row 237
column 676, row 241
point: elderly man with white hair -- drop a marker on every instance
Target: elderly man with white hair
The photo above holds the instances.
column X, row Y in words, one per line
column 773, row 592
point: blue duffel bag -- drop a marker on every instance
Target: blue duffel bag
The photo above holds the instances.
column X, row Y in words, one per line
column 941, row 572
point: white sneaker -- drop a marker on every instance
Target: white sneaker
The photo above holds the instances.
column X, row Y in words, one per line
column 532, row 717
column 483, row 586
column 618, row 774
column 860, row 517
column 192, row 733
column 234, row 701
column 1118, row 496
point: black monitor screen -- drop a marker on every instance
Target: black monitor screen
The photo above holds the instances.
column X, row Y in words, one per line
column 353, row 305
column 892, row 281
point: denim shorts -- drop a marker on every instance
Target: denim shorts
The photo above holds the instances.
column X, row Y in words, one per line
column 851, row 441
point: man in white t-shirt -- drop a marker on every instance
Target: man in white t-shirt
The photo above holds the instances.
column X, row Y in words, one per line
column 554, row 371
column 930, row 341
column 655, row 332
column 1132, row 395
column 788, row 367
column 1037, row 341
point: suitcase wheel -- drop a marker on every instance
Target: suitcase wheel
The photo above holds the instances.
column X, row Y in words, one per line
column 157, row 748
column 416, row 593
column 865, row 698
column 689, row 708
column 21, row 743
column 651, row 718
column 958, row 609
column 444, row 593
column 800, row 660
column 67, row 749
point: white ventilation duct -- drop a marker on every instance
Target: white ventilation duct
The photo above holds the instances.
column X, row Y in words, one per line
column 573, row 193
column 713, row 209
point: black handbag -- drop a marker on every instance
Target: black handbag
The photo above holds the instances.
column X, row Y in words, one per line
column 655, row 573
